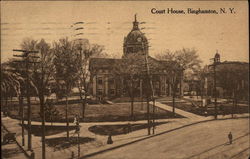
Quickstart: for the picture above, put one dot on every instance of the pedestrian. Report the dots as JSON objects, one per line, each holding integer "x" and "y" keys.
{"x": 75, "y": 119}
{"x": 129, "y": 128}
{"x": 110, "y": 141}
{"x": 205, "y": 113}
{"x": 230, "y": 137}
{"x": 151, "y": 124}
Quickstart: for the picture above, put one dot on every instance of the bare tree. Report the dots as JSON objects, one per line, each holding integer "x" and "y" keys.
{"x": 66, "y": 69}
{"x": 131, "y": 69}
{"x": 85, "y": 52}
{"x": 177, "y": 63}
{"x": 10, "y": 82}
{"x": 187, "y": 58}
{"x": 41, "y": 74}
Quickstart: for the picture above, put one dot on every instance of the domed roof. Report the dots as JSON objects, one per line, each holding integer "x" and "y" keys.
{"x": 135, "y": 35}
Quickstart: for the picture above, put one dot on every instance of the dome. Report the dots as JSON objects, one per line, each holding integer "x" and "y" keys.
{"x": 136, "y": 36}
{"x": 136, "y": 41}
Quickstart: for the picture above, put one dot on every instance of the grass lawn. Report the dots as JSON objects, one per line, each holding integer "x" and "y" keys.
{"x": 49, "y": 129}
{"x": 98, "y": 112}
{"x": 119, "y": 129}
{"x": 223, "y": 108}
{"x": 63, "y": 143}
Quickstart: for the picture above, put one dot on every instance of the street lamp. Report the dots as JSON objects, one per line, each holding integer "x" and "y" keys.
{"x": 216, "y": 62}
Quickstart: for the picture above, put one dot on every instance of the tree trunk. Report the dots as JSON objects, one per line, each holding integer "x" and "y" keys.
{"x": 29, "y": 119}
{"x": 22, "y": 118}
{"x": 84, "y": 106}
{"x": 173, "y": 102}
{"x": 148, "y": 115}
{"x": 20, "y": 105}
{"x": 6, "y": 104}
{"x": 67, "y": 119}
{"x": 233, "y": 106}
{"x": 43, "y": 124}
{"x": 132, "y": 108}
{"x": 153, "y": 116}
{"x": 132, "y": 101}
{"x": 11, "y": 103}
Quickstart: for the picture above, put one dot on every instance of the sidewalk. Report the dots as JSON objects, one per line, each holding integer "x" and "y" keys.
{"x": 99, "y": 144}
{"x": 219, "y": 100}
{"x": 92, "y": 147}
{"x": 179, "y": 111}
{"x": 10, "y": 150}
{"x": 13, "y": 125}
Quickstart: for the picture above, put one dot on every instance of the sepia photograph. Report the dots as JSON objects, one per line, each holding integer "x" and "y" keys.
{"x": 124, "y": 79}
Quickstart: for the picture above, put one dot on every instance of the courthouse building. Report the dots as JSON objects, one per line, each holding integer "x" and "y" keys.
{"x": 106, "y": 84}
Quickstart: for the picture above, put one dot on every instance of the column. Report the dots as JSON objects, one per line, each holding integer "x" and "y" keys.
{"x": 94, "y": 85}
{"x": 165, "y": 85}
{"x": 106, "y": 79}
{"x": 181, "y": 85}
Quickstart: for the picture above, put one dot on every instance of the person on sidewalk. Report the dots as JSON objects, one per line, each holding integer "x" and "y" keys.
{"x": 129, "y": 128}
{"x": 109, "y": 141}
{"x": 75, "y": 119}
{"x": 230, "y": 137}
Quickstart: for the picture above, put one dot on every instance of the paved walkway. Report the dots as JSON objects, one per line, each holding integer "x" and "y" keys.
{"x": 10, "y": 150}
{"x": 179, "y": 111}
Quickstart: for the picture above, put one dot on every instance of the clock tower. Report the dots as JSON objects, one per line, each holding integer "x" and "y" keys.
{"x": 135, "y": 42}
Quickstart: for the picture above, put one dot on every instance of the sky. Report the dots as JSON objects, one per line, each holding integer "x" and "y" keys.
{"x": 108, "y": 22}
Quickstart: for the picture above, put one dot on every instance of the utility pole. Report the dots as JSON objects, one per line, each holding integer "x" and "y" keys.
{"x": 174, "y": 89}
{"x": 216, "y": 60}
{"x": 27, "y": 61}
{"x": 43, "y": 113}
{"x": 22, "y": 119}
{"x": 78, "y": 137}
{"x": 152, "y": 97}
{"x": 215, "y": 93}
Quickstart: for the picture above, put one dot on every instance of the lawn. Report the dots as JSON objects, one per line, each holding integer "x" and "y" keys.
{"x": 97, "y": 112}
{"x": 49, "y": 129}
{"x": 223, "y": 108}
{"x": 64, "y": 143}
{"x": 119, "y": 129}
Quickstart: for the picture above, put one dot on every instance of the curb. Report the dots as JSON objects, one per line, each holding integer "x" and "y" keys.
{"x": 135, "y": 141}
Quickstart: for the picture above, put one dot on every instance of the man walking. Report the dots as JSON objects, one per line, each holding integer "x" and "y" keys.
{"x": 230, "y": 137}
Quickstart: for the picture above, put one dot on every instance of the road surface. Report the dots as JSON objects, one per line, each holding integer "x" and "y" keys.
{"x": 204, "y": 140}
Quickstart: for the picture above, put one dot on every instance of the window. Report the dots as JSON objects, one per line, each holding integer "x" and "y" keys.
{"x": 130, "y": 49}
{"x": 111, "y": 81}
{"x": 99, "y": 92}
{"x": 112, "y": 92}
{"x": 99, "y": 81}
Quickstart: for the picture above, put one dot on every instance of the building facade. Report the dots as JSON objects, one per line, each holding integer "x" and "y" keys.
{"x": 232, "y": 79}
{"x": 107, "y": 82}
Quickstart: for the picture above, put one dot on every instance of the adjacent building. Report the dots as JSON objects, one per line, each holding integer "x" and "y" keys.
{"x": 232, "y": 79}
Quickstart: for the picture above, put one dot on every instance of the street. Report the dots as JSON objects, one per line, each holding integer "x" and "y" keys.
{"x": 204, "y": 140}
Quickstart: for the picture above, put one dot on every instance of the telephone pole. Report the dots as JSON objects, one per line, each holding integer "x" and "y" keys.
{"x": 27, "y": 61}
{"x": 151, "y": 124}
{"x": 216, "y": 61}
